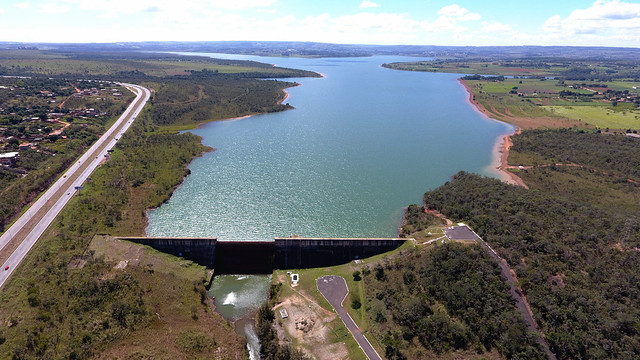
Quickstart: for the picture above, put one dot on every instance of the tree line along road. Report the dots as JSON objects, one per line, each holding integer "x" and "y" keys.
{"x": 18, "y": 239}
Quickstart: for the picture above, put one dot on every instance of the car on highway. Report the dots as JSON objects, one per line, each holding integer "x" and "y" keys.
{"x": 6, "y": 268}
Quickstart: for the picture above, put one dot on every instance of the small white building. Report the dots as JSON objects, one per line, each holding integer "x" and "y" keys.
{"x": 9, "y": 159}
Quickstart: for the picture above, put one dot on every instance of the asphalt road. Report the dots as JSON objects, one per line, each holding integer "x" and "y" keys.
{"x": 16, "y": 242}
{"x": 334, "y": 289}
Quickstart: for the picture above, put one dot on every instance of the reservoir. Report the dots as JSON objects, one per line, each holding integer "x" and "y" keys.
{"x": 361, "y": 144}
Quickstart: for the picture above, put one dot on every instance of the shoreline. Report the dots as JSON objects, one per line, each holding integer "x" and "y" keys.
{"x": 279, "y": 102}
{"x": 502, "y": 146}
{"x": 210, "y": 149}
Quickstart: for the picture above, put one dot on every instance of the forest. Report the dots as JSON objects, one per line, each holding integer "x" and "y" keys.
{"x": 574, "y": 255}
{"x": 614, "y": 155}
{"x": 193, "y": 101}
{"x": 445, "y": 299}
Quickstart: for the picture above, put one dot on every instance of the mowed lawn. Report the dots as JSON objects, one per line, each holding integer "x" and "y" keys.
{"x": 600, "y": 116}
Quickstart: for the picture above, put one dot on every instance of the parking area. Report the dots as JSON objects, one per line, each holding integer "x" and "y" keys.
{"x": 460, "y": 233}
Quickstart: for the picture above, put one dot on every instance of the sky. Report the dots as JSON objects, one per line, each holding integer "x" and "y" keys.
{"x": 400, "y": 22}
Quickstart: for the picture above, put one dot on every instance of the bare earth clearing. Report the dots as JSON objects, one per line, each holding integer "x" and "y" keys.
{"x": 309, "y": 324}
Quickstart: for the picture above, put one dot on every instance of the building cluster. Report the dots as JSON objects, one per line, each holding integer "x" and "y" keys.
{"x": 24, "y": 128}
{"x": 97, "y": 92}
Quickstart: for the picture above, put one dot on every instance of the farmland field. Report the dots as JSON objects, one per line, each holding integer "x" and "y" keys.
{"x": 599, "y": 116}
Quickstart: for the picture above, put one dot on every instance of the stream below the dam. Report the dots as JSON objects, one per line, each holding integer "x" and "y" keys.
{"x": 361, "y": 144}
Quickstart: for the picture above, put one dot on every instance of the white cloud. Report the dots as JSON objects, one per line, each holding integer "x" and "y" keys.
{"x": 604, "y": 22}
{"x": 129, "y": 6}
{"x": 369, "y": 4}
{"x": 449, "y": 18}
{"x": 358, "y": 28}
{"x": 456, "y": 12}
{"x": 496, "y": 27}
{"x": 53, "y": 8}
{"x": 611, "y": 17}
{"x": 110, "y": 9}
{"x": 506, "y": 34}
{"x": 240, "y": 4}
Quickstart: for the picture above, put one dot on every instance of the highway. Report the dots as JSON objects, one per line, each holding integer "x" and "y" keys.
{"x": 18, "y": 239}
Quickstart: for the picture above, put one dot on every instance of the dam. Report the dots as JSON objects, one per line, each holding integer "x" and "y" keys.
{"x": 262, "y": 257}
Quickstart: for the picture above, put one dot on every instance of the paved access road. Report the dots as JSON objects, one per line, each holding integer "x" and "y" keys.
{"x": 16, "y": 242}
{"x": 334, "y": 289}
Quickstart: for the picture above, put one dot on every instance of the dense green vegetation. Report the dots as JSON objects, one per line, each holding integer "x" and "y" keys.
{"x": 416, "y": 220}
{"x": 193, "y": 101}
{"x": 444, "y": 299}
{"x": 573, "y": 259}
{"x": 58, "y": 310}
{"x": 614, "y": 155}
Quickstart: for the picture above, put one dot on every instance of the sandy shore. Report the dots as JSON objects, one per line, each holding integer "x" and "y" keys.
{"x": 286, "y": 93}
{"x": 501, "y": 150}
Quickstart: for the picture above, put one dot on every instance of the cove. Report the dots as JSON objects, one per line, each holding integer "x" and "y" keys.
{"x": 360, "y": 145}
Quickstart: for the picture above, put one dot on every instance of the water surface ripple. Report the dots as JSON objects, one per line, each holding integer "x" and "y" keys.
{"x": 360, "y": 145}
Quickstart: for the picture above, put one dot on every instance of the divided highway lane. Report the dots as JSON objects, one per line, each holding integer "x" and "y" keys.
{"x": 16, "y": 242}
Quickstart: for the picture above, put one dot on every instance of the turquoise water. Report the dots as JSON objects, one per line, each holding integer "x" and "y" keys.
{"x": 360, "y": 145}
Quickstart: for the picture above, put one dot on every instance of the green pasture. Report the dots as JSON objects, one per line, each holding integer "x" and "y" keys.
{"x": 625, "y": 85}
{"x": 600, "y": 116}
{"x": 525, "y": 86}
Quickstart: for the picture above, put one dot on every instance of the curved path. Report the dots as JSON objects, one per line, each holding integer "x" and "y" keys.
{"x": 16, "y": 242}
{"x": 334, "y": 289}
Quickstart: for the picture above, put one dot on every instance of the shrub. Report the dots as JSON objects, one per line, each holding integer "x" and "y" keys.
{"x": 355, "y": 304}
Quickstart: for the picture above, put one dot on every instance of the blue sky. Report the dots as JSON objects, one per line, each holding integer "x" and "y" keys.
{"x": 423, "y": 22}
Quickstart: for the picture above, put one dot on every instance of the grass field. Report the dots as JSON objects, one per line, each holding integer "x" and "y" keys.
{"x": 599, "y": 116}
{"x": 531, "y": 103}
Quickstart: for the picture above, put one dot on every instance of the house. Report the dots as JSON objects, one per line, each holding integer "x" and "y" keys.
{"x": 9, "y": 159}
{"x": 25, "y": 146}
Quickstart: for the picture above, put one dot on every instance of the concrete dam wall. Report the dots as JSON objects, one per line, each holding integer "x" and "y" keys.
{"x": 244, "y": 257}
{"x": 199, "y": 250}
{"x": 262, "y": 257}
{"x": 299, "y": 253}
